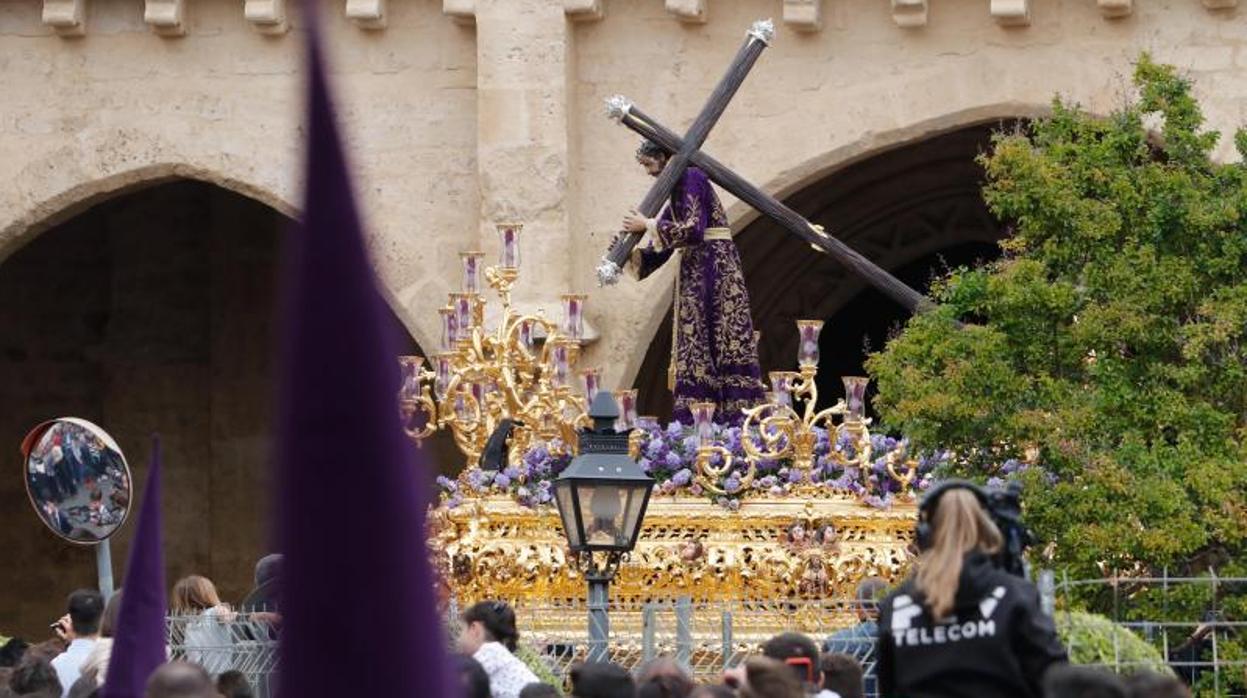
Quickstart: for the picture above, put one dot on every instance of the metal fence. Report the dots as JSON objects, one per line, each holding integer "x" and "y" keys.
{"x": 226, "y": 641}
{"x": 1187, "y": 624}
{"x": 1193, "y": 623}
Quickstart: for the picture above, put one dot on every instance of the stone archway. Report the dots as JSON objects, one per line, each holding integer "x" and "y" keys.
{"x": 912, "y": 209}
{"x": 151, "y": 311}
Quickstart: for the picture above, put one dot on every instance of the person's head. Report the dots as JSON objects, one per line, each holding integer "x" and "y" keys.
{"x": 842, "y": 674}
{"x": 602, "y": 680}
{"x": 867, "y": 596}
{"x": 12, "y": 651}
{"x": 765, "y": 677}
{"x": 540, "y": 690}
{"x": 86, "y": 606}
{"x": 268, "y": 569}
{"x": 488, "y": 621}
{"x": 799, "y": 653}
{"x": 472, "y": 677}
{"x": 35, "y": 676}
{"x": 233, "y": 684}
{"x": 715, "y": 691}
{"x": 653, "y": 157}
{"x": 193, "y": 594}
{"x": 661, "y": 666}
{"x": 958, "y": 524}
{"x": 1149, "y": 684}
{"x": 664, "y": 686}
{"x": 180, "y": 680}
{"x": 108, "y": 622}
{"x": 1072, "y": 681}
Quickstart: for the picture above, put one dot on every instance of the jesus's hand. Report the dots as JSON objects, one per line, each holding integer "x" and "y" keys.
{"x": 635, "y": 222}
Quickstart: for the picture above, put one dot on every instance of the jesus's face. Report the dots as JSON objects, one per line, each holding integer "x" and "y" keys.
{"x": 653, "y": 165}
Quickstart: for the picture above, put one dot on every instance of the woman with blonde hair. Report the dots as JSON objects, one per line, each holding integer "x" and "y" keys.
{"x": 198, "y": 612}
{"x": 961, "y": 625}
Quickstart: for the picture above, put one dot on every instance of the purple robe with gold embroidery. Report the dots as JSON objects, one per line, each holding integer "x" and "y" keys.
{"x": 714, "y": 353}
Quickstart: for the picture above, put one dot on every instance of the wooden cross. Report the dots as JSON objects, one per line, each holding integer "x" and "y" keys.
{"x": 756, "y": 39}
{"x": 688, "y": 151}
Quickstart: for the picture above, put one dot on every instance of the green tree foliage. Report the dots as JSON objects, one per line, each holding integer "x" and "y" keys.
{"x": 1112, "y": 334}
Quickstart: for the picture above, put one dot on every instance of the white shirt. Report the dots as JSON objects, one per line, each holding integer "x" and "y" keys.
{"x": 508, "y": 675}
{"x": 68, "y": 664}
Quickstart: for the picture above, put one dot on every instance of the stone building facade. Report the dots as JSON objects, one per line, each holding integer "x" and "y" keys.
{"x": 150, "y": 151}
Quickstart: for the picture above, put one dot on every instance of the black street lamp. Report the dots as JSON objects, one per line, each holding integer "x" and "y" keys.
{"x": 601, "y": 498}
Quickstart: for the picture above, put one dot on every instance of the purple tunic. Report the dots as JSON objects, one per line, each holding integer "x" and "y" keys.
{"x": 715, "y": 356}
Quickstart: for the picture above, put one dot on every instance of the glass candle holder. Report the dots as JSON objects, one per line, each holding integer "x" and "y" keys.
{"x": 450, "y": 328}
{"x": 573, "y": 315}
{"x": 464, "y": 304}
{"x": 478, "y": 391}
{"x": 703, "y": 422}
{"x": 410, "y": 387}
{"x": 559, "y": 355}
{"x": 592, "y": 379}
{"x": 442, "y": 375}
{"x": 463, "y": 410}
{"x": 509, "y": 237}
{"x": 626, "y": 399}
{"x": 471, "y": 265}
{"x": 526, "y": 334}
{"x": 807, "y": 342}
{"x": 781, "y": 388}
{"x": 855, "y": 396}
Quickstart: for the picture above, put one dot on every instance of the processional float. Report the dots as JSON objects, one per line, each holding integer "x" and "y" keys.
{"x": 796, "y": 505}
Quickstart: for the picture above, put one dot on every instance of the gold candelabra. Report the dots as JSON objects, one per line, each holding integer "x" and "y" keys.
{"x": 519, "y": 370}
{"x": 784, "y": 426}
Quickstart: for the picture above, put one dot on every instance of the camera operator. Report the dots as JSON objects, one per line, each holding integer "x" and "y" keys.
{"x": 961, "y": 625}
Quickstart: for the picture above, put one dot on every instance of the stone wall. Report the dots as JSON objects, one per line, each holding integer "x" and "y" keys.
{"x": 460, "y": 113}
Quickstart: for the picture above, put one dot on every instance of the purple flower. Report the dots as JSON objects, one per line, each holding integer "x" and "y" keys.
{"x": 690, "y": 444}
{"x": 512, "y": 472}
{"x": 501, "y": 480}
{"x": 994, "y": 482}
{"x": 732, "y": 484}
{"x": 455, "y": 500}
{"x": 646, "y": 464}
{"x": 682, "y": 477}
{"x": 447, "y": 484}
{"x": 794, "y": 475}
{"x": 656, "y": 448}
{"x": 673, "y": 460}
{"x": 479, "y": 479}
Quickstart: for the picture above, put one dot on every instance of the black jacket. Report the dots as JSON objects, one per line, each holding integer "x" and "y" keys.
{"x": 998, "y": 641}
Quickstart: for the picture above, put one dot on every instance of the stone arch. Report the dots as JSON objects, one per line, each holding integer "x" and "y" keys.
{"x": 56, "y": 205}
{"x": 906, "y": 199}
{"x": 148, "y": 310}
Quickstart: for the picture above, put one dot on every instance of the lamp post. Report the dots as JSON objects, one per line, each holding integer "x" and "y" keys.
{"x": 601, "y": 498}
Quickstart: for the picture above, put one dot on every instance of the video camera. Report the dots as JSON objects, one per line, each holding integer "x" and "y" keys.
{"x": 1003, "y": 504}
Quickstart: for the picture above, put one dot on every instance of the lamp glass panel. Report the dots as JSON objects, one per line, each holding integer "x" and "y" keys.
{"x": 602, "y": 506}
{"x": 633, "y": 508}
{"x": 564, "y": 495}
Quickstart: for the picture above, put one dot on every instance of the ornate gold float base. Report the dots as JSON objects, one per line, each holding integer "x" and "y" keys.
{"x": 784, "y": 554}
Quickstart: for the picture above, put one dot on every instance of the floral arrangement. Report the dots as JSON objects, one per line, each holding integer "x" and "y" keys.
{"x": 668, "y": 454}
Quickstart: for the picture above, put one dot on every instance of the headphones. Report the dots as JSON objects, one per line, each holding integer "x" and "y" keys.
{"x": 923, "y": 532}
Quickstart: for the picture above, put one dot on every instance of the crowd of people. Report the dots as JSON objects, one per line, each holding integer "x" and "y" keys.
{"x": 74, "y": 663}
{"x": 959, "y": 627}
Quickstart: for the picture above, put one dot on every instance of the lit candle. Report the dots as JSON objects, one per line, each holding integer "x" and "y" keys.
{"x": 855, "y": 395}
{"x": 573, "y": 315}
{"x": 627, "y": 410}
{"x": 471, "y": 271}
{"x": 509, "y": 234}
{"x": 450, "y": 328}
{"x": 593, "y": 381}
{"x": 807, "y": 348}
{"x": 442, "y": 371}
{"x": 703, "y": 421}
{"x": 780, "y": 392}
{"x": 560, "y": 356}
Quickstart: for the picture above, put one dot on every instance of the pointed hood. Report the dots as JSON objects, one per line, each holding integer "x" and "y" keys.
{"x": 357, "y": 593}
{"x": 139, "y": 638}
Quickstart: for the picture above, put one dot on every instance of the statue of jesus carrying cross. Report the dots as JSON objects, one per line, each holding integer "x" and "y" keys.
{"x": 714, "y": 355}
